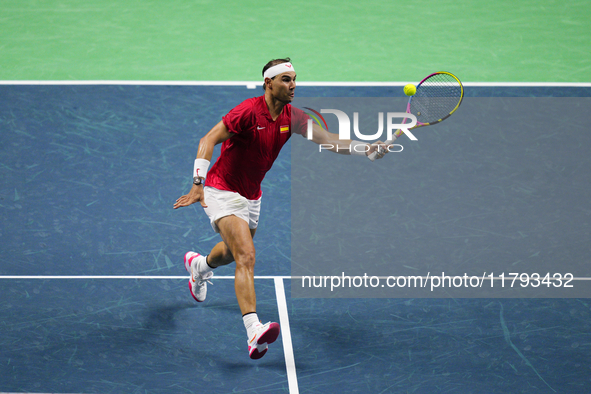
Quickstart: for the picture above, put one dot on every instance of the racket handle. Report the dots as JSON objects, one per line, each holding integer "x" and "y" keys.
{"x": 372, "y": 156}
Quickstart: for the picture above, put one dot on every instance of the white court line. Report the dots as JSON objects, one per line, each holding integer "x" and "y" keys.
{"x": 255, "y": 84}
{"x": 292, "y": 378}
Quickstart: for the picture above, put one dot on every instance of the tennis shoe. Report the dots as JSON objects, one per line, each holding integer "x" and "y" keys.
{"x": 263, "y": 335}
{"x": 198, "y": 282}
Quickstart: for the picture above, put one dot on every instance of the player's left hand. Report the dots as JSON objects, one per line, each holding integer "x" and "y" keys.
{"x": 195, "y": 195}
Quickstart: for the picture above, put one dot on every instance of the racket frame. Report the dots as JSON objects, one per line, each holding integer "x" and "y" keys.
{"x": 399, "y": 132}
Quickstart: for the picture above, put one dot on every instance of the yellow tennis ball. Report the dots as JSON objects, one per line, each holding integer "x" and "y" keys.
{"x": 410, "y": 89}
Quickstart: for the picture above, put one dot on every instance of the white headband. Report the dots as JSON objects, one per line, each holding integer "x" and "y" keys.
{"x": 278, "y": 69}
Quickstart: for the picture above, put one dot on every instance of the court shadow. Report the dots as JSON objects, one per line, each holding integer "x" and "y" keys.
{"x": 163, "y": 317}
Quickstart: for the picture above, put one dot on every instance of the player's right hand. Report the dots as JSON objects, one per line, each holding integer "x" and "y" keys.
{"x": 195, "y": 195}
{"x": 379, "y": 147}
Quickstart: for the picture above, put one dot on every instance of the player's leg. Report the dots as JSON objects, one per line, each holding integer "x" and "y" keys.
{"x": 221, "y": 255}
{"x": 201, "y": 267}
{"x": 219, "y": 203}
{"x": 238, "y": 238}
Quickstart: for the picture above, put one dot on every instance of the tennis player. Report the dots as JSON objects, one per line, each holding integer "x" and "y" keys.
{"x": 252, "y": 135}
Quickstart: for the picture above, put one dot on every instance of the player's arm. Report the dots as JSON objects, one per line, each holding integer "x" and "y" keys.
{"x": 218, "y": 134}
{"x": 330, "y": 141}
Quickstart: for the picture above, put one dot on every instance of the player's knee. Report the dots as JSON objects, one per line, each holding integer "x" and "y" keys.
{"x": 245, "y": 258}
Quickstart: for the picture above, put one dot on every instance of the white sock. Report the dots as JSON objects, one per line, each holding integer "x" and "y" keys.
{"x": 202, "y": 266}
{"x": 250, "y": 320}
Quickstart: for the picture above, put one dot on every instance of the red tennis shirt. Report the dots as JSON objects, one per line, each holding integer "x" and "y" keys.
{"x": 250, "y": 152}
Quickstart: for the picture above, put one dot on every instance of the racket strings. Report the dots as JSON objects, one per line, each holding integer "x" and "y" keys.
{"x": 436, "y": 98}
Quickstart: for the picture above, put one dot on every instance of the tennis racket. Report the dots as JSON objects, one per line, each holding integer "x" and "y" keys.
{"x": 437, "y": 97}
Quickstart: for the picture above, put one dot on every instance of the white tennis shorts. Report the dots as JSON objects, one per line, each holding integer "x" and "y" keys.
{"x": 221, "y": 203}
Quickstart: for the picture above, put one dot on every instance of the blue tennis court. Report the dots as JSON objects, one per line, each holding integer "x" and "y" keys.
{"x": 95, "y": 296}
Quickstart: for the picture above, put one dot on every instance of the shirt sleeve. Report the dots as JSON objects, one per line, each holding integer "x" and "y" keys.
{"x": 240, "y": 118}
{"x": 299, "y": 120}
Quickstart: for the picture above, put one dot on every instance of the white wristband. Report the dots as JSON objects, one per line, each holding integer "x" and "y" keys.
{"x": 200, "y": 168}
{"x": 358, "y": 148}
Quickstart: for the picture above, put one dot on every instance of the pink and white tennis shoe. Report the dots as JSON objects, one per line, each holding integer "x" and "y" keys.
{"x": 264, "y": 335}
{"x": 198, "y": 282}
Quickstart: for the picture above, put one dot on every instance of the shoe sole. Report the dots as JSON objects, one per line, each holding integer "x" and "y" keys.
{"x": 188, "y": 268}
{"x": 268, "y": 337}
{"x": 256, "y": 354}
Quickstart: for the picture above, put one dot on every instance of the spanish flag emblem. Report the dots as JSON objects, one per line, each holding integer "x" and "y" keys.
{"x": 284, "y": 129}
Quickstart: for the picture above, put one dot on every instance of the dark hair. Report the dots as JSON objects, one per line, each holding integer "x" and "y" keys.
{"x": 272, "y": 63}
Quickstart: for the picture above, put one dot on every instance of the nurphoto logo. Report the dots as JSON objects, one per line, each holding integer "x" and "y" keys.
{"x": 345, "y": 127}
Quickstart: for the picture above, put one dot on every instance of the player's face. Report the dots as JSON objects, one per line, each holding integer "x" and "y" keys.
{"x": 284, "y": 86}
